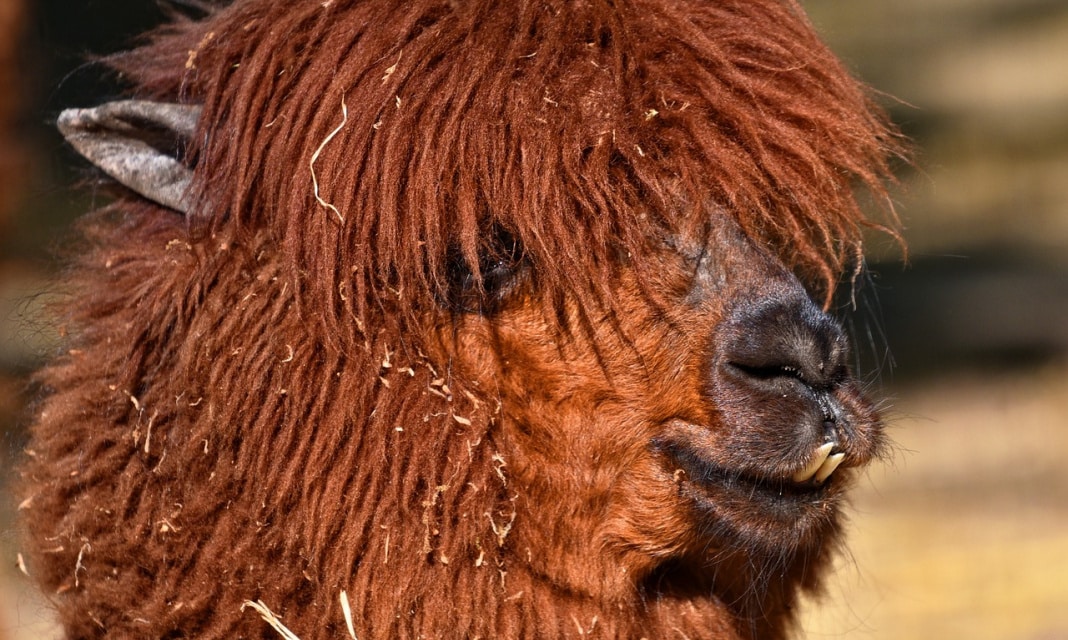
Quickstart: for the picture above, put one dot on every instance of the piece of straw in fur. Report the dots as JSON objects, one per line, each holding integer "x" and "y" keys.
{"x": 347, "y": 611}
{"x": 315, "y": 156}
{"x": 270, "y": 618}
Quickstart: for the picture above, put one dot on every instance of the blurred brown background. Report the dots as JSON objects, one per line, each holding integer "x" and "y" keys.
{"x": 964, "y": 532}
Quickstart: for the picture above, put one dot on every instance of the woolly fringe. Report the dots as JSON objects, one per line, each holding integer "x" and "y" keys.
{"x": 586, "y": 130}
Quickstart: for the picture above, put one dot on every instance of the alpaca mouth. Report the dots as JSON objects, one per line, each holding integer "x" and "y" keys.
{"x": 810, "y": 480}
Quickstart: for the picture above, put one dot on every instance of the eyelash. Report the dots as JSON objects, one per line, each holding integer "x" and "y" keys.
{"x": 500, "y": 265}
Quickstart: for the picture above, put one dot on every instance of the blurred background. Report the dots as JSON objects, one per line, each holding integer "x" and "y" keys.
{"x": 963, "y": 533}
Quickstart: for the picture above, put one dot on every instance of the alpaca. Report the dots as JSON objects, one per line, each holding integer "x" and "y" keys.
{"x": 460, "y": 320}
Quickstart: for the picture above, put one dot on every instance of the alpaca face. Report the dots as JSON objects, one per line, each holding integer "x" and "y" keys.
{"x": 708, "y": 414}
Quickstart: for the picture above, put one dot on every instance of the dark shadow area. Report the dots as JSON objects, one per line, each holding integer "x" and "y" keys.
{"x": 57, "y": 69}
{"x": 992, "y": 308}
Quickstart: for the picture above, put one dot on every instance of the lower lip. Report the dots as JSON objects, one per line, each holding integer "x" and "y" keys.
{"x": 710, "y": 479}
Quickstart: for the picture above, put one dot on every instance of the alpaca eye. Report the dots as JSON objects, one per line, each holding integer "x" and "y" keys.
{"x": 500, "y": 263}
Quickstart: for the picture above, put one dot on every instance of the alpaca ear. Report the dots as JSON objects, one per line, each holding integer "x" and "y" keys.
{"x": 139, "y": 144}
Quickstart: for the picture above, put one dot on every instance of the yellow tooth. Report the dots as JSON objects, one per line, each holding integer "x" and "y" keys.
{"x": 813, "y": 467}
{"x": 828, "y": 467}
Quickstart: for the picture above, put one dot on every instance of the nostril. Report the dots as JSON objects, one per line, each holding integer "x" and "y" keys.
{"x": 770, "y": 371}
{"x": 783, "y": 341}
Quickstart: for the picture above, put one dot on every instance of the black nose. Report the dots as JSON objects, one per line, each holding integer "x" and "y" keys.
{"x": 775, "y": 342}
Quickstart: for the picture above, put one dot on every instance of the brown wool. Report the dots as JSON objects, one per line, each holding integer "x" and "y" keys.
{"x": 273, "y": 407}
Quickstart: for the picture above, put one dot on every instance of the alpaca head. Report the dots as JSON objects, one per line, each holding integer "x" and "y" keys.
{"x": 517, "y": 300}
